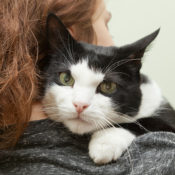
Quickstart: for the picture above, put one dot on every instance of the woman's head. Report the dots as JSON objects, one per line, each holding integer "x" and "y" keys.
{"x": 100, "y": 20}
{"x": 86, "y": 20}
{"x": 22, "y": 35}
{"x": 76, "y": 16}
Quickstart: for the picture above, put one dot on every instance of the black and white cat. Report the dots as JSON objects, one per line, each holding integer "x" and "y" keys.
{"x": 99, "y": 90}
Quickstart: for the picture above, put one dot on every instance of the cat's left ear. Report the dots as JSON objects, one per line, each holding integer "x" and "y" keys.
{"x": 137, "y": 49}
{"x": 57, "y": 34}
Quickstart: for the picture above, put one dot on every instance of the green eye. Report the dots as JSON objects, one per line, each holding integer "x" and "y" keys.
{"x": 66, "y": 79}
{"x": 108, "y": 87}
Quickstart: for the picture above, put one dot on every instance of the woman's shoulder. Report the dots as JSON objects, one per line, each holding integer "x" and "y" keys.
{"x": 46, "y": 132}
{"x": 49, "y": 148}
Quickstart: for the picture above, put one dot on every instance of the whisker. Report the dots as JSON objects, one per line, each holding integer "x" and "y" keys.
{"x": 129, "y": 119}
{"x": 118, "y": 64}
{"x": 135, "y": 121}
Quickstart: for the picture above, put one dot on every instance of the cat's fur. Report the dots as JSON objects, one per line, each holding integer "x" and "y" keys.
{"x": 136, "y": 107}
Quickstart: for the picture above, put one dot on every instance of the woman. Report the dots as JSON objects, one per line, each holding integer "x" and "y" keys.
{"x": 45, "y": 147}
{"x": 22, "y": 33}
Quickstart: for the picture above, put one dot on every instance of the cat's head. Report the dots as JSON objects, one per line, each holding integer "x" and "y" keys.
{"x": 88, "y": 87}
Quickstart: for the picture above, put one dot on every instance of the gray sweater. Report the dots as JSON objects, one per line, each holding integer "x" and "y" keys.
{"x": 47, "y": 148}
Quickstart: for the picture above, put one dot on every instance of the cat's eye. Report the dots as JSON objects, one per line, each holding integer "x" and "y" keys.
{"x": 66, "y": 79}
{"x": 108, "y": 87}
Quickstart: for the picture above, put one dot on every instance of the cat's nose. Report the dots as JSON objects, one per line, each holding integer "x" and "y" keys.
{"x": 80, "y": 107}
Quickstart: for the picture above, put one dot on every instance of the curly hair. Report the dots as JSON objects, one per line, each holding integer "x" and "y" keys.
{"x": 22, "y": 43}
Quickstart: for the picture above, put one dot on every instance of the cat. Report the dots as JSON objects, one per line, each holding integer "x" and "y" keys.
{"x": 100, "y": 90}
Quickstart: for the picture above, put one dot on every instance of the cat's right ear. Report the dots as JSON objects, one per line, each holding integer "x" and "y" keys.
{"x": 57, "y": 34}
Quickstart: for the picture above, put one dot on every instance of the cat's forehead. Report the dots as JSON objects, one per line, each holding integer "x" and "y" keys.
{"x": 85, "y": 75}
{"x": 107, "y": 51}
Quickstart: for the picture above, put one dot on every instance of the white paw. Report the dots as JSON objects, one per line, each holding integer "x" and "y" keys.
{"x": 109, "y": 144}
{"x": 102, "y": 153}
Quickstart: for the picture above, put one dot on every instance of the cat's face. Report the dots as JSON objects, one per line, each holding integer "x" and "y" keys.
{"x": 89, "y": 87}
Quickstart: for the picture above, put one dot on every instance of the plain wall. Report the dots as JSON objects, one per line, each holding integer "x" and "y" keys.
{"x": 134, "y": 19}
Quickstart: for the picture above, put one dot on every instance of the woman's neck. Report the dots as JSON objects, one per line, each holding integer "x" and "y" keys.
{"x": 37, "y": 112}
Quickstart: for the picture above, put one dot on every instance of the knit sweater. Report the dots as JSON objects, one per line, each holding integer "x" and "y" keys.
{"x": 48, "y": 148}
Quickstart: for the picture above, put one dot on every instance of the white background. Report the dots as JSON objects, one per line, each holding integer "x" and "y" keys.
{"x": 132, "y": 20}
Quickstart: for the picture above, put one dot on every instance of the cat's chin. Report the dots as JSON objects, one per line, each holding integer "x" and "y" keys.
{"x": 79, "y": 126}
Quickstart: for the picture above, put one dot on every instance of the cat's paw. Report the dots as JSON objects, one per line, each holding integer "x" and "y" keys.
{"x": 109, "y": 144}
{"x": 102, "y": 153}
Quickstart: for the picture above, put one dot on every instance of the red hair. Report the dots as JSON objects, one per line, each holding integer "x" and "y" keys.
{"x": 22, "y": 43}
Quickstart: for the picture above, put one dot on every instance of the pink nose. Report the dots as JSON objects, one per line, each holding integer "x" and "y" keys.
{"x": 80, "y": 107}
